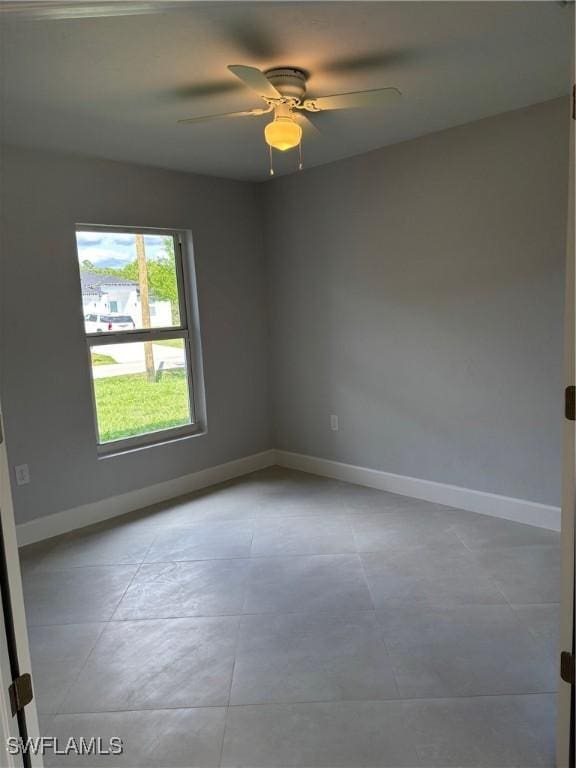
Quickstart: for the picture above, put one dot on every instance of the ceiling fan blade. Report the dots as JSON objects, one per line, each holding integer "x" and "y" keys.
{"x": 308, "y": 125}
{"x": 73, "y": 9}
{"x": 246, "y": 33}
{"x": 226, "y": 115}
{"x": 356, "y": 99}
{"x": 202, "y": 90}
{"x": 371, "y": 60}
{"x": 256, "y": 80}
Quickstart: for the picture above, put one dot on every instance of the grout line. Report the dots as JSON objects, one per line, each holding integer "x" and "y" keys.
{"x": 135, "y": 574}
{"x": 381, "y": 632}
{"x": 248, "y": 558}
{"x": 490, "y": 579}
{"x": 336, "y": 614}
{"x": 38, "y": 570}
{"x": 344, "y": 612}
{"x": 237, "y": 645}
{"x": 105, "y": 625}
{"x": 253, "y": 526}
{"x": 221, "y": 755}
{"x": 80, "y": 670}
{"x": 398, "y": 700}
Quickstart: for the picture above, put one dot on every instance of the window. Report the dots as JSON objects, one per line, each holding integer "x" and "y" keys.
{"x": 141, "y": 361}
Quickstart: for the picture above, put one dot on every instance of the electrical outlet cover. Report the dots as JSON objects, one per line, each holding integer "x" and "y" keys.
{"x": 22, "y": 472}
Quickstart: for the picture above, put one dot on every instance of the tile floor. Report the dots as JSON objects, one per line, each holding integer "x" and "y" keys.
{"x": 285, "y": 620}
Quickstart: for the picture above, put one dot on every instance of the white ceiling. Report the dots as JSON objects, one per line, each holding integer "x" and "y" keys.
{"x": 115, "y": 87}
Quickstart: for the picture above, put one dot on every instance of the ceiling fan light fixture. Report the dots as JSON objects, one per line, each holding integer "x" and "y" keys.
{"x": 284, "y": 90}
{"x": 283, "y": 133}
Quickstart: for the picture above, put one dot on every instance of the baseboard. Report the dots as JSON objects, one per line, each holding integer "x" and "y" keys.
{"x": 518, "y": 510}
{"x": 87, "y": 514}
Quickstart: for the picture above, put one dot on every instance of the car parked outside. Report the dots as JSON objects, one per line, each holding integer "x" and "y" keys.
{"x": 111, "y": 322}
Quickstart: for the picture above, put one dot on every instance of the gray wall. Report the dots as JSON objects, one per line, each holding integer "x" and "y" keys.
{"x": 46, "y": 390}
{"x": 416, "y": 291}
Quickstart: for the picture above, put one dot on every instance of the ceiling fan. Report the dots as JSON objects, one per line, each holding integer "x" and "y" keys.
{"x": 284, "y": 91}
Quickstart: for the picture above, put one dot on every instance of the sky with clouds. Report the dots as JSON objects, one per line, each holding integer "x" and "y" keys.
{"x": 115, "y": 249}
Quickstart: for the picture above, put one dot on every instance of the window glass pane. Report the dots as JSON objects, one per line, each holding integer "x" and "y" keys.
{"x": 128, "y": 280}
{"x": 140, "y": 387}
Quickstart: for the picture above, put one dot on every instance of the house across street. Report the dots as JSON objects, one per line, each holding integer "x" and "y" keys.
{"x": 104, "y": 293}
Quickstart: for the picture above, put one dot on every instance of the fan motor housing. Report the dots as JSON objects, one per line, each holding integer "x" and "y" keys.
{"x": 288, "y": 81}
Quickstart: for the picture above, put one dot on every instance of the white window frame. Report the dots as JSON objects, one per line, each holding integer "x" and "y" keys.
{"x": 188, "y": 330}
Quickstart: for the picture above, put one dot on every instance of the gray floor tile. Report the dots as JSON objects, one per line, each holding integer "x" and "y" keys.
{"x": 540, "y": 712}
{"x": 298, "y": 657}
{"x": 441, "y": 576}
{"x": 372, "y": 501}
{"x": 158, "y": 662}
{"x": 529, "y": 574}
{"x": 58, "y": 654}
{"x": 320, "y": 583}
{"x": 464, "y": 651}
{"x": 203, "y": 541}
{"x": 199, "y": 588}
{"x": 141, "y": 521}
{"x": 45, "y": 726}
{"x": 280, "y": 481}
{"x": 482, "y": 732}
{"x": 334, "y": 735}
{"x": 287, "y": 493}
{"x": 479, "y": 531}
{"x": 32, "y": 554}
{"x": 543, "y": 621}
{"x": 234, "y": 502}
{"x": 165, "y": 738}
{"x": 438, "y": 576}
{"x": 101, "y": 545}
{"x": 404, "y": 529}
{"x": 321, "y": 535}
{"x": 302, "y": 503}
{"x": 75, "y": 595}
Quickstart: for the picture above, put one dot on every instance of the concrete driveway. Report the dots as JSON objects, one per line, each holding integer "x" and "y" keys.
{"x": 130, "y": 359}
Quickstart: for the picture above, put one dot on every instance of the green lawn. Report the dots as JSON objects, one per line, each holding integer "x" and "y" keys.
{"x": 99, "y": 359}
{"x": 130, "y": 405}
{"x": 170, "y": 343}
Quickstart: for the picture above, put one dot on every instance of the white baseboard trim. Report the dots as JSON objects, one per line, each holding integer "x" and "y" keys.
{"x": 70, "y": 519}
{"x": 518, "y": 510}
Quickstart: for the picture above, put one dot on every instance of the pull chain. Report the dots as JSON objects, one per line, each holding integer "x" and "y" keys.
{"x": 271, "y": 163}
{"x": 301, "y": 163}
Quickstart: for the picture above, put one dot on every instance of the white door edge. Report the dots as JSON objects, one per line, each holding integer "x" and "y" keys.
{"x": 7, "y": 722}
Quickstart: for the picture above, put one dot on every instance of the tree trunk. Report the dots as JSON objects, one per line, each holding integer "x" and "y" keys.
{"x": 145, "y": 305}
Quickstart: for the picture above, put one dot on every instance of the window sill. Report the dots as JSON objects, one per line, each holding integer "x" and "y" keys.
{"x": 154, "y": 440}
